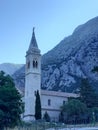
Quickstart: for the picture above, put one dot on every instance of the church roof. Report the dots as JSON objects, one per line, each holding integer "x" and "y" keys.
{"x": 33, "y": 47}
{"x": 58, "y": 94}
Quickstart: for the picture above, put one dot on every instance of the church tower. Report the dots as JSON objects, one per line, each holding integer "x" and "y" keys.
{"x": 32, "y": 78}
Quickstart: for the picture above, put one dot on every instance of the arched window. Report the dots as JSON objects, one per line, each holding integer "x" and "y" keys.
{"x": 28, "y": 65}
{"x": 35, "y": 64}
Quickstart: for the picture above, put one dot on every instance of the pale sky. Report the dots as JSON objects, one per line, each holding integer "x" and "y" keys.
{"x": 53, "y": 20}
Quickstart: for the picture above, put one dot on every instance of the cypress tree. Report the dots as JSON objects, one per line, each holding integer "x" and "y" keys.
{"x": 87, "y": 94}
{"x": 37, "y": 106}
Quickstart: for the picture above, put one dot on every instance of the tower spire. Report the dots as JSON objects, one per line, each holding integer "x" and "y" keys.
{"x": 33, "y": 30}
{"x": 33, "y": 43}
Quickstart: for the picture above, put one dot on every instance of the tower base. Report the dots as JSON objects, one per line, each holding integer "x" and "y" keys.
{"x": 28, "y": 118}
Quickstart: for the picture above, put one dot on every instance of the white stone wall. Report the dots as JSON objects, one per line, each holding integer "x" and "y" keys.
{"x": 54, "y": 108}
{"x": 30, "y": 59}
{"x": 32, "y": 84}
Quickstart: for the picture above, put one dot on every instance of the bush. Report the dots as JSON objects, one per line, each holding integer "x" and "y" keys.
{"x": 46, "y": 117}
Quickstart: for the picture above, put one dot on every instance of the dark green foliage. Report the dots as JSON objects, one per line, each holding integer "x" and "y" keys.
{"x": 61, "y": 117}
{"x": 74, "y": 110}
{"x": 83, "y": 108}
{"x": 11, "y": 106}
{"x": 95, "y": 69}
{"x": 37, "y": 106}
{"x": 88, "y": 95}
{"x": 46, "y": 117}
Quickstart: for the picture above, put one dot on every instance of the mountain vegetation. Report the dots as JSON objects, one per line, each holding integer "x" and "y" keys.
{"x": 88, "y": 95}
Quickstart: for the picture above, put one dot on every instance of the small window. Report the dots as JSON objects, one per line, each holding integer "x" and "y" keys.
{"x": 35, "y": 64}
{"x": 64, "y": 102}
{"x": 28, "y": 65}
{"x": 49, "y": 102}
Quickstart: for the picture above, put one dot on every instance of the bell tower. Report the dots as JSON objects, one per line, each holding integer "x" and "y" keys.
{"x": 32, "y": 77}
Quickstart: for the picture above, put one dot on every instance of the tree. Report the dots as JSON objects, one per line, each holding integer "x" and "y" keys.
{"x": 37, "y": 106}
{"x": 73, "y": 110}
{"x": 95, "y": 69}
{"x": 87, "y": 94}
{"x": 61, "y": 117}
{"x": 46, "y": 117}
{"x": 11, "y": 106}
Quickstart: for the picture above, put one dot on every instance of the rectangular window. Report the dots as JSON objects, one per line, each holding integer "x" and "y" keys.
{"x": 49, "y": 102}
{"x": 64, "y": 102}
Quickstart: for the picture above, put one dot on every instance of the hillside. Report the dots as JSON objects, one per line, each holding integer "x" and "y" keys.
{"x": 10, "y": 68}
{"x": 72, "y": 59}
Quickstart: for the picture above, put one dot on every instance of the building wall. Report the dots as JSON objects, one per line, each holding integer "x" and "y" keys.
{"x": 53, "y": 108}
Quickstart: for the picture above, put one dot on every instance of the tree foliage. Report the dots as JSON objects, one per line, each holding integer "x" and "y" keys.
{"x": 11, "y": 105}
{"x": 88, "y": 94}
{"x": 73, "y": 110}
{"x": 37, "y": 106}
{"x": 61, "y": 117}
{"x": 46, "y": 117}
{"x": 84, "y": 107}
{"x": 95, "y": 69}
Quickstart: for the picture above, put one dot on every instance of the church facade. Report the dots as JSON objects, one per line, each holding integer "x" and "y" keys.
{"x": 51, "y": 101}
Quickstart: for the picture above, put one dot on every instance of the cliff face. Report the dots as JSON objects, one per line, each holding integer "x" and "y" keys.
{"x": 72, "y": 59}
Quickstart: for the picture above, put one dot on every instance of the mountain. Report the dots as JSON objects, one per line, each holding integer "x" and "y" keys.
{"x": 19, "y": 78}
{"x": 10, "y": 68}
{"x": 72, "y": 59}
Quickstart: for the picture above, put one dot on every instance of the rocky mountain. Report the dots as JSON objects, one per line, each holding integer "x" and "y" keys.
{"x": 72, "y": 59}
{"x": 10, "y": 68}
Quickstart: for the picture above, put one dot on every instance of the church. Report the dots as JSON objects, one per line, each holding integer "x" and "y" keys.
{"x": 51, "y": 101}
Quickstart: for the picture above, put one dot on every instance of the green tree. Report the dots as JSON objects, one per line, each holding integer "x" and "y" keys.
{"x": 87, "y": 94}
{"x": 37, "y": 106}
{"x": 74, "y": 110}
{"x": 95, "y": 69}
{"x": 11, "y": 106}
{"x": 61, "y": 117}
{"x": 46, "y": 117}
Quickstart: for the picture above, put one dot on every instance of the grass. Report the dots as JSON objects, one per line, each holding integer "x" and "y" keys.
{"x": 46, "y": 125}
{"x": 38, "y": 126}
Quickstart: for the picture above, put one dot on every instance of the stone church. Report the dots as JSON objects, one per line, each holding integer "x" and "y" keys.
{"x": 51, "y": 101}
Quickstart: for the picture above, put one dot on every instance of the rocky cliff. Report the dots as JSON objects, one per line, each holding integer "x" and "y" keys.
{"x": 72, "y": 59}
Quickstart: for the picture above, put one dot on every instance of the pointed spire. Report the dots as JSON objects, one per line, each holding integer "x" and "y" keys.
{"x": 33, "y": 44}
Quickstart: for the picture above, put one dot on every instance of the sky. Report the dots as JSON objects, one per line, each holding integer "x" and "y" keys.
{"x": 53, "y": 21}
